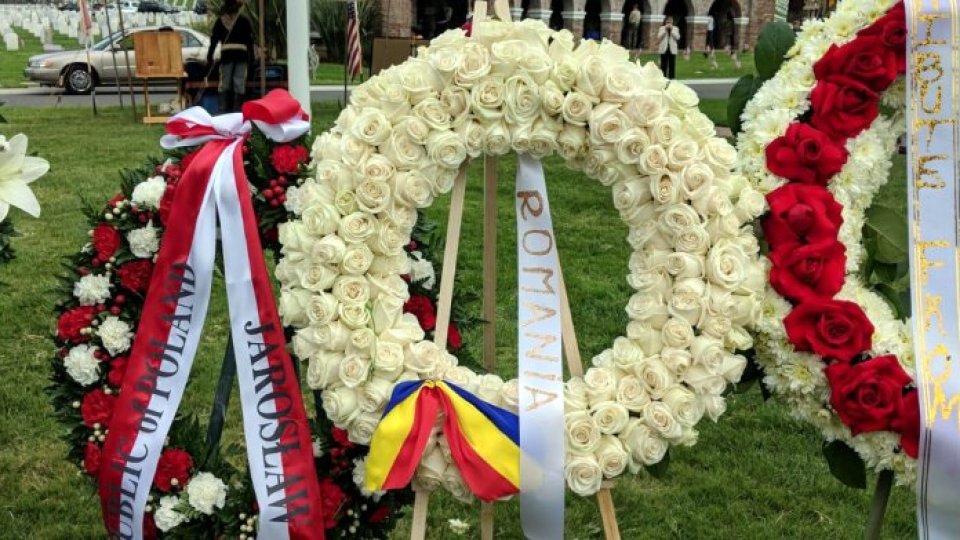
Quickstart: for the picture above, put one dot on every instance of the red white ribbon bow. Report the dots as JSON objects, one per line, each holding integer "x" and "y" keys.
{"x": 212, "y": 191}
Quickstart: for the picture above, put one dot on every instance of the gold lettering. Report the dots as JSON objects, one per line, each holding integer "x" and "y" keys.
{"x": 936, "y": 182}
{"x": 545, "y": 313}
{"x": 934, "y": 384}
{"x": 931, "y": 124}
{"x": 927, "y": 20}
{"x": 931, "y": 309}
{"x": 928, "y": 70}
{"x": 537, "y": 393}
{"x": 526, "y": 197}
{"x": 543, "y": 233}
{"x": 547, "y": 274}
{"x": 535, "y": 352}
{"x": 924, "y": 263}
{"x": 544, "y": 376}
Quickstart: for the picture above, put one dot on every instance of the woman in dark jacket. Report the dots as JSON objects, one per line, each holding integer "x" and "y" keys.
{"x": 234, "y": 33}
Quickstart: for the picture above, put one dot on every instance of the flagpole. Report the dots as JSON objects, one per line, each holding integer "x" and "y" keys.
{"x": 126, "y": 56}
{"x": 113, "y": 54}
{"x": 87, "y": 25}
{"x": 346, "y": 50}
{"x": 263, "y": 50}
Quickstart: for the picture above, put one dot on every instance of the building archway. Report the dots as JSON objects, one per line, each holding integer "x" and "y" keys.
{"x": 679, "y": 10}
{"x": 725, "y": 29}
{"x": 591, "y": 20}
{"x": 556, "y": 14}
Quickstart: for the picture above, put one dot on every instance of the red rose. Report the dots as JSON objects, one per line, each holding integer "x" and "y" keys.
{"x": 118, "y": 368}
{"x": 843, "y": 107}
{"x": 106, "y": 241}
{"x": 454, "y": 340}
{"x": 97, "y": 408}
{"x": 907, "y": 424}
{"x": 801, "y": 213}
{"x": 135, "y": 276}
{"x": 173, "y": 464}
{"x": 341, "y": 437}
{"x": 380, "y": 514}
{"x": 166, "y": 203}
{"x": 331, "y": 499}
{"x": 805, "y": 154}
{"x": 801, "y": 272}
{"x": 71, "y": 322}
{"x": 91, "y": 458}
{"x": 834, "y": 329}
{"x": 867, "y": 395}
{"x": 892, "y": 29}
{"x": 286, "y": 159}
{"x": 866, "y": 59}
{"x": 422, "y": 308}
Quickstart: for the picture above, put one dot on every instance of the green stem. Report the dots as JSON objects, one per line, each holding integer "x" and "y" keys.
{"x": 878, "y": 507}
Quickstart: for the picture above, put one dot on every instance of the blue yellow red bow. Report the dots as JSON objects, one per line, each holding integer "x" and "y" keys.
{"x": 483, "y": 439}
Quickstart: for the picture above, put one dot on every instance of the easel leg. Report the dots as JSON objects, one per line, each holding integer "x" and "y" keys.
{"x": 486, "y": 521}
{"x": 421, "y": 501}
{"x": 608, "y": 513}
{"x": 490, "y": 262}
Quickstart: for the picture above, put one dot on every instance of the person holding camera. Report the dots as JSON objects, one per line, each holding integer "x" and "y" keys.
{"x": 668, "y": 36}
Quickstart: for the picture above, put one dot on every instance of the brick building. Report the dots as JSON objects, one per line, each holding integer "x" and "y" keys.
{"x": 736, "y": 22}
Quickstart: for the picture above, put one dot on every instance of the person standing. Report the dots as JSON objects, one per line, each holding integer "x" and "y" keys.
{"x": 234, "y": 33}
{"x": 633, "y": 28}
{"x": 668, "y": 35}
{"x": 711, "y": 26}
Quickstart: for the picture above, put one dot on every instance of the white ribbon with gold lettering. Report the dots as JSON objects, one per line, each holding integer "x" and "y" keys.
{"x": 542, "y": 485}
{"x": 933, "y": 100}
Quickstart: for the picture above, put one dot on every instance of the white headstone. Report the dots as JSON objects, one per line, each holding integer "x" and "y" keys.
{"x": 47, "y": 35}
{"x": 11, "y": 41}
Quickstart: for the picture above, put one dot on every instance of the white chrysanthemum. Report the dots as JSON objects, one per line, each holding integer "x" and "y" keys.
{"x": 359, "y": 475}
{"x": 205, "y": 492}
{"x": 293, "y": 202}
{"x": 144, "y": 241}
{"x": 92, "y": 289}
{"x": 458, "y": 526}
{"x": 148, "y": 193}
{"x": 421, "y": 270}
{"x": 166, "y": 516}
{"x": 115, "y": 335}
{"x": 82, "y": 365}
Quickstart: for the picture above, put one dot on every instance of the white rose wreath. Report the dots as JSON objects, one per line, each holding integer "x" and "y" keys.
{"x": 522, "y": 87}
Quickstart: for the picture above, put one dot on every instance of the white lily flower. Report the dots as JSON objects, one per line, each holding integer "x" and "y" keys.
{"x": 17, "y": 170}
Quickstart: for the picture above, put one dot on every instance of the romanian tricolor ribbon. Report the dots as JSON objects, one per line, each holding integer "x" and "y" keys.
{"x": 483, "y": 439}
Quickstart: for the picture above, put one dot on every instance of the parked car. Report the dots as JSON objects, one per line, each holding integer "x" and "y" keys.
{"x": 69, "y": 69}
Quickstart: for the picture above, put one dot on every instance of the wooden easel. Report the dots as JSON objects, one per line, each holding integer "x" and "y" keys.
{"x": 158, "y": 56}
{"x": 571, "y": 349}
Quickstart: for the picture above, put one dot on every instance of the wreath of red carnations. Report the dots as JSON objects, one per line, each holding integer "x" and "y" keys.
{"x": 103, "y": 294}
{"x": 802, "y": 229}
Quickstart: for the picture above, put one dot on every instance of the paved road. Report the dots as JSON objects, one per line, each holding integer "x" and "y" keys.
{"x": 50, "y": 97}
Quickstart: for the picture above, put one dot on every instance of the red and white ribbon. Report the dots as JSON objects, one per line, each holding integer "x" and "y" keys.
{"x": 279, "y": 450}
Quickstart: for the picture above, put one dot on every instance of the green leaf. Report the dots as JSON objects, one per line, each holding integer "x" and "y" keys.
{"x": 889, "y": 229}
{"x": 659, "y": 470}
{"x": 740, "y": 95}
{"x": 892, "y": 296}
{"x": 774, "y": 41}
{"x": 884, "y": 273}
{"x": 845, "y": 464}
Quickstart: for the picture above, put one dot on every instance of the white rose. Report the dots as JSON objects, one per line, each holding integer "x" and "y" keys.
{"x": 681, "y": 97}
{"x": 699, "y": 126}
{"x": 572, "y": 141}
{"x": 577, "y": 108}
{"x": 693, "y": 239}
{"x": 575, "y": 395}
{"x": 361, "y": 429}
{"x": 727, "y": 264}
{"x": 92, "y": 289}
{"x": 326, "y": 146}
{"x": 646, "y": 107}
{"x": 454, "y": 483}
{"x": 552, "y": 98}
{"x": 655, "y": 377}
{"x": 405, "y": 332}
{"x": 371, "y": 126}
{"x": 536, "y": 63}
{"x": 341, "y": 404}
{"x": 330, "y": 336}
{"x": 413, "y": 189}
{"x": 564, "y": 73}
{"x": 592, "y": 75}
{"x": 510, "y": 395}
{"x": 716, "y": 326}
{"x": 293, "y": 307}
{"x": 317, "y": 277}
{"x": 630, "y": 195}
{"x": 686, "y": 300}
{"x": 682, "y": 153}
{"x": 665, "y": 187}
{"x": 612, "y": 456}
{"x": 446, "y": 149}
{"x": 750, "y": 204}
{"x": 329, "y": 250}
{"x": 472, "y": 133}
{"x": 626, "y": 353}
{"x": 166, "y": 516}
{"x": 373, "y": 195}
{"x": 147, "y": 194}
{"x": 733, "y": 366}
{"x": 115, "y": 335}
{"x": 686, "y": 407}
{"x": 610, "y": 417}
{"x": 715, "y": 406}
{"x": 392, "y": 285}
{"x": 321, "y": 219}
{"x": 496, "y": 140}
{"x": 322, "y": 308}
{"x": 82, "y": 365}
{"x": 386, "y": 312}
{"x": 353, "y": 151}
{"x": 349, "y": 290}
{"x": 206, "y": 492}
{"x": 462, "y": 377}
{"x": 144, "y": 241}
{"x": 521, "y": 99}
{"x": 456, "y": 101}
{"x": 356, "y": 260}
{"x": 423, "y": 357}
{"x": 361, "y": 342}
{"x": 632, "y": 394}
{"x": 357, "y": 227}
{"x": 697, "y": 180}
{"x": 433, "y": 113}
{"x": 488, "y": 387}
{"x": 644, "y": 445}
{"x": 660, "y": 418}
{"x": 402, "y": 150}
{"x": 582, "y": 432}
{"x": 720, "y": 155}
{"x": 684, "y": 265}
{"x": 649, "y": 339}
{"x": 415, "y": 128}
{"x": 583, "y": 475}
{"x": 430, "y": 471}
{"x": 607, "y": 123}
{"x": 704, "y": 382}
{"x": 419, "y": 80}
{"x": 297, "y": 241}
{"x": 354, "y": 315}
{"x": 388, "y": 360}
{"x": 474, "y": 64}
{"x": 631, "y": 144}
{"x": 486, "y": 99}
{"x": 648, "y": 309}
{"x": 601, "y": 385}
{"x": 323, "y": 369}
{"x": 353, "y": 370}
{"x": 677, "y": 333}
{"x": 331, "y": 176}
{"x": 676, "y": 360}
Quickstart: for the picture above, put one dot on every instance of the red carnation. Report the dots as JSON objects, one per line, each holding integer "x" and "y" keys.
{"x": 867, "y": 395}
{"x": 801, "y": 272}
{"x": 72, "y": 321}
{"x": 118, "y": 368}
{"x": 801, "y": 213}
{"x": 380, "y": 514}
{"x": 341, "y": 437}
{"x": 892, "y": 29}
{"x": 422, "y": 308}
{"x": 174, "y": 464}
{"x": 843, "y": 107}
{"x": 286, "y": 159}
{"x": 331, "y": 499}
{"x": 867, "y": 59}
{"x": 454, "y": 340}
{"x": 135, "y": 276}
{"x": 805, "y": 154}
{"x": 106, "y": 241}
{"x": 91, "y": 458}
{"x": 834, "y": 329}
{"x": 907, "y": 424}
{"x": 97, "y": 408}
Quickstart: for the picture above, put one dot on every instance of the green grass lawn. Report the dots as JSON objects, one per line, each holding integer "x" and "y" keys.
{"x": 12, "y": 63}
{"x": 700, "y": 67}
{"x": 757, "y": 474}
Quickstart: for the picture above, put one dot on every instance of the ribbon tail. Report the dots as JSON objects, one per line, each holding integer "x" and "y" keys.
{"x": 401, "y": 437}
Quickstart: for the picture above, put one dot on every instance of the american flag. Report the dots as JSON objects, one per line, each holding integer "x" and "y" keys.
{"x": 354, "y": 56}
